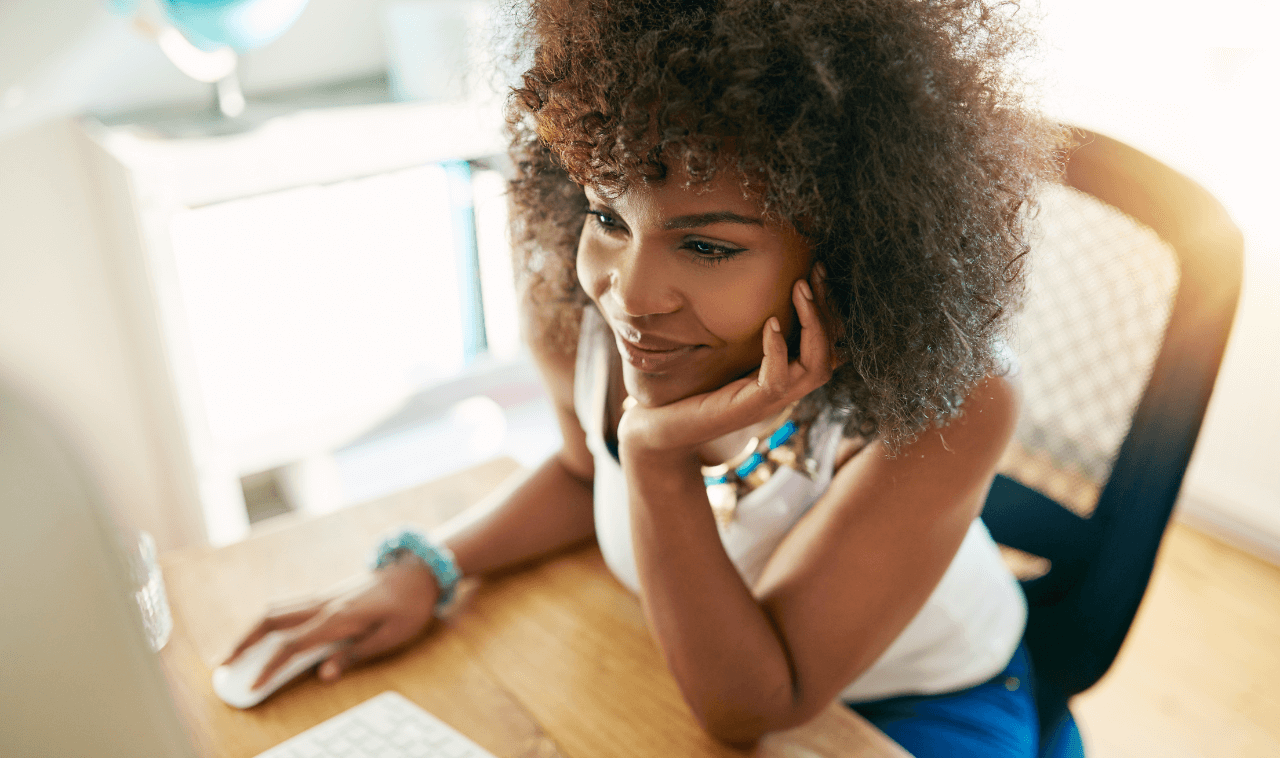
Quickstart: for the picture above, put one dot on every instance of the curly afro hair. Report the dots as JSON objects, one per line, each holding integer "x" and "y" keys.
{"x": 892, "y": 134}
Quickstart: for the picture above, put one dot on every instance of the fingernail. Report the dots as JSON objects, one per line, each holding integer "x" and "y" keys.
{"x": 774, "y": 325}
{"x": 804, "y": 290}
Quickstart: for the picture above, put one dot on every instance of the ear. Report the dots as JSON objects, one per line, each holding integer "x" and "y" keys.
{"x": 818, "y": 280}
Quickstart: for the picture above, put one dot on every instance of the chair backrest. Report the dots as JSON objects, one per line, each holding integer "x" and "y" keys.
{"x": 1132, "y": 289}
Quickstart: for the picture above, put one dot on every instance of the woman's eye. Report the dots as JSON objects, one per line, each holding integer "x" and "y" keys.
{"x": 708, "y": 252}
{"x": 604, "y": 220}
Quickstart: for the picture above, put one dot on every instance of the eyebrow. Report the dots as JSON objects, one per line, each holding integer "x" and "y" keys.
{"x": 706, "y": 219}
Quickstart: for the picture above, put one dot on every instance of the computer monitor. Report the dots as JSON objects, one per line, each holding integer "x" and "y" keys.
{"x": 77, "y": 676}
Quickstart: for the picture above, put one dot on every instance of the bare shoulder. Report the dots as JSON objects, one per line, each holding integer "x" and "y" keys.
{"x": 989, "y": 416}
{"x": 957, "y": 459}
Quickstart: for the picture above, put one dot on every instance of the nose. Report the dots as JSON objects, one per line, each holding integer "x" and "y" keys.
{"x": 641, "y": 283}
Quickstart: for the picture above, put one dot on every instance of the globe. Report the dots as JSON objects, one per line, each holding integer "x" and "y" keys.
{"x": 239, "y": 24}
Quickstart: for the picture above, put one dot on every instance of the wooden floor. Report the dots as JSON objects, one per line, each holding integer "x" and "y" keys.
{"x": 1199, "y": 674}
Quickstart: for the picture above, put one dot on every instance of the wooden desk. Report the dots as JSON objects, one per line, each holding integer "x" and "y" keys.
{"x": 554, "y": 661}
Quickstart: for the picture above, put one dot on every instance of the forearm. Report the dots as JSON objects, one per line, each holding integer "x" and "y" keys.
{"x": 546, "y": 512}
{"x": 725, "y": 652}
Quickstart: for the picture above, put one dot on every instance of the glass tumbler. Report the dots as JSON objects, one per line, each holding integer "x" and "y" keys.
{"x": 149, "y": 591}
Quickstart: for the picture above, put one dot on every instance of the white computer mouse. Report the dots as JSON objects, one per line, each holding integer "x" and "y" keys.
{"x": 232, "y": 682}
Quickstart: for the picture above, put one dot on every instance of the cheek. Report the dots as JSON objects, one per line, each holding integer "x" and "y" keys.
{"x": 735, "y": 308}
{"x": 588, "y": 269}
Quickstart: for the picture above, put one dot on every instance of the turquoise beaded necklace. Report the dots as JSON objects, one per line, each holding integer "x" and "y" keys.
{"x": 730, "y": 481}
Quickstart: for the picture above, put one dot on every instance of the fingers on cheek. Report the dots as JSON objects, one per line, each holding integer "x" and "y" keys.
{"x": 774, "y": 369}
{"x": 802, "y": 296}
{"x": 773, "y": 340}
{"x": 775, "y": 375}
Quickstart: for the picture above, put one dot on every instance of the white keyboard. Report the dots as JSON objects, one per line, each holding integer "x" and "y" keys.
{"x": 386, "y": 726}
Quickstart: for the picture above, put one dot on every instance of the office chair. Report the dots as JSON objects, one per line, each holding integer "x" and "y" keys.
{"x": 1133, "y": 284}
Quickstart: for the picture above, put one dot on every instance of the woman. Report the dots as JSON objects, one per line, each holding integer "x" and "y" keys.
{"x": 768, "y": 250}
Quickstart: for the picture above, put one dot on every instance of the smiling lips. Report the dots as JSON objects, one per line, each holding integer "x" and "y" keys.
{"x": 653, "y": 354}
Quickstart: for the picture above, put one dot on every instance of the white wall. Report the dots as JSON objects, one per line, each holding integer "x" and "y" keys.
{"x": 62, "y": 330}
{"x": 1233, "y": 484}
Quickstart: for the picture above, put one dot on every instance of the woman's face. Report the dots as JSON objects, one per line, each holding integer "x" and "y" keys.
{"x": 687, "y": 279}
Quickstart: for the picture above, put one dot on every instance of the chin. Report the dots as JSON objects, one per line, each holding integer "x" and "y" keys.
{"x": 655, "y": 390}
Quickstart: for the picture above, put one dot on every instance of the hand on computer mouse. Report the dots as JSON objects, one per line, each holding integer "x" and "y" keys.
{"x": 235, "y": 682}
{"x": 391, "y": 608}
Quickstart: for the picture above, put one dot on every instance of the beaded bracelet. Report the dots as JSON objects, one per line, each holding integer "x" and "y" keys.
{"x": 438, "y": 558}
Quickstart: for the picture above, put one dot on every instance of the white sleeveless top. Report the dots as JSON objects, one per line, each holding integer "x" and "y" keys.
{"x": 967, "y": 630}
